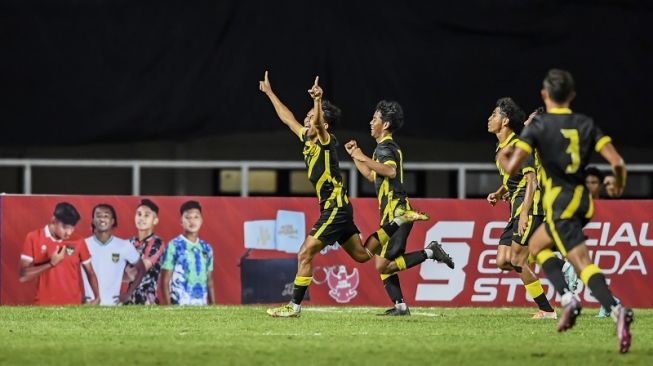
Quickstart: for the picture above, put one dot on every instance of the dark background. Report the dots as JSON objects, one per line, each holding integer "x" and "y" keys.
{"x": 80, "y": 72}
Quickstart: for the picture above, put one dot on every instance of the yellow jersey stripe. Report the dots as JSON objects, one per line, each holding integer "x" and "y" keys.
{"x": 563, "y": 110}
{"x": 574, "y": 203}
{"x": 324, "y": 226}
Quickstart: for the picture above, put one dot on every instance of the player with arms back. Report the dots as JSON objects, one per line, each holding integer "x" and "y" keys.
{"x": 526, "y": 211}
{"x": 565, "y": 141}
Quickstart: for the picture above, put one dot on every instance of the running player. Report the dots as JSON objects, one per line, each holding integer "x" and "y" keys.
{"x": 565, "y": 141}
{"x": 336, "y": 222}
{"x": 386, "y": 170}
{"x": 526, "y": 211}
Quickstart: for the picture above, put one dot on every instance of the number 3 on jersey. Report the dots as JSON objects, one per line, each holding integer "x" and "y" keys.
{"x": 573, "y": 149}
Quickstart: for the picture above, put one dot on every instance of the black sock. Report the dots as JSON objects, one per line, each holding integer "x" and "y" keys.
{"x": 414, "y": 258}
{"x": 390, "y": 228}
{"x": 553, "y": 269}
{"x": 298, "y": 294}
{"x": 393, "y": 288}
{"x": 543, "y": 303}
{"x": 600, "y": 290}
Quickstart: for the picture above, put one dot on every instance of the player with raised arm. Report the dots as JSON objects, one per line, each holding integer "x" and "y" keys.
{"x": 336, "y": 221}
{"x": 386, "y": 171}
{"x": 524, "y": 198}
{"x": 565, "y": 141}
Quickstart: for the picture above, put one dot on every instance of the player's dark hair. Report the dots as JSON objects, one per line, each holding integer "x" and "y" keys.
{"x": 591, "y": 170}
{"x": 66, "y": 213}
{"x": 392, "y": 113}
{"x": 331, "y": 113}
{"x": 559, "y": 84}
{"x": 149, "y": 204}
{"x": 108, "y": 207}
{"x": 512, "y": 111}
{"x": 189, "y": 205}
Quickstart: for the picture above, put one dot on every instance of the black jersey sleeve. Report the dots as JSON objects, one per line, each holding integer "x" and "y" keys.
{"x": 386, "y": 155}
{"x": 530, "y": 135}
{"x": 598, "y": 137}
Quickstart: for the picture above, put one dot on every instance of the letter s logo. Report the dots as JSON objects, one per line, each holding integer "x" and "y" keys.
{"x": 459, "y": 252}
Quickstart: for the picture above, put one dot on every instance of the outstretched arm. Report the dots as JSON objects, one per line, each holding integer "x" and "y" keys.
{"x": 610, "y": 154}
{"x": 285, "y": 115}
{"x": 317, "y": 120}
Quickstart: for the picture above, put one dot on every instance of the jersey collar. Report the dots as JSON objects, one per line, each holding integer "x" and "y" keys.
{"x": 506, "y": 141}
{"x": 48, "y": 235}
{"x": 563, "y": 110}
{"x": 387, "y": 137}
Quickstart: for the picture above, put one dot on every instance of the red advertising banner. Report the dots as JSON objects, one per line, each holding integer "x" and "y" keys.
{"x": 254, "y": 240}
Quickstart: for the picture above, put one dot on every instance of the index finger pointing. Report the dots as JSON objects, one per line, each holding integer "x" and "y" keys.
{"x": 317, "y": 79}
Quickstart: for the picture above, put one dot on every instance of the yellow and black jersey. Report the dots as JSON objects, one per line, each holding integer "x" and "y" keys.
{"x": 390, "y": 191}
{"x": 565, "y": 141}
{"x": 323, "y": 168}
{"x": 516, "y": 184}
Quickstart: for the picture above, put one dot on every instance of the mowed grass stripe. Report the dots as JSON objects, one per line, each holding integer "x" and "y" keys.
{"x": 245, "y": 335}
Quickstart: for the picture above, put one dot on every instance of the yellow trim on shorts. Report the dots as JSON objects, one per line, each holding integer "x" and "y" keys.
{"x": 588, "y": 272}
{"x": 550, "y": 195}
{"x": 328, "y": 221}
{"x": 573, "y": 205}
{"x": 602, "y": 141}
{"x": 303, "y": 281}
{"x": 529, "y": 226}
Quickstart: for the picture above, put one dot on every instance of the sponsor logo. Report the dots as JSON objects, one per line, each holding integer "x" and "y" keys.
{"x": 343, "y": 285}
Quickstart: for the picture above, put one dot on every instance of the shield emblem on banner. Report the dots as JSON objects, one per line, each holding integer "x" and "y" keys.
{"x": 115, "y": 257}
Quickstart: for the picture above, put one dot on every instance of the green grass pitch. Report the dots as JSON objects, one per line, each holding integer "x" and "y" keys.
{"x": 245, "y": 335}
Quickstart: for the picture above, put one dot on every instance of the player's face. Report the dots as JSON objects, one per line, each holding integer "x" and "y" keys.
{"x": 191, "y": 220}
{"x": 145, "y": 218}
{"x": 103, "y": 220}
{"x": 593, "y": 185}
{"x": 61, "y": 231}
{"x": 376, "y": 125}
{"x": 495, "y": 121}
{"x": 312, "y": 131}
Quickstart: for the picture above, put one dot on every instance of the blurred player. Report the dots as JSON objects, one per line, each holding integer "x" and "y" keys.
{"x": 54, "y": 259}
{"x": 386, "y": 171}
{"x": 526, "y": 211}
{"x": 593, "y": 181}
{"x": 565, "y": 141}
{"x": 336, "y": 222}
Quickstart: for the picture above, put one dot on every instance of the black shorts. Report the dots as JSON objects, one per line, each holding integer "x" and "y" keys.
{"x": 567, "y": 212}
{"x": 567, "y": 234}
{"x": 396, "y": 246}
{"x": 511, "y": 232}
{"x": 335, "y": 224}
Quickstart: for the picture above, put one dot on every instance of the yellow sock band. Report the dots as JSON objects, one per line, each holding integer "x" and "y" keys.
{"x": 383, "y": 237}
{"x": 384, "y": 276}
{"x": 588, "y": 272}
{"x": 401, "y": 262}
{"x": 303, "y": 281}
{"x": 544, "y": 255}
{"x": 534, "y": 289}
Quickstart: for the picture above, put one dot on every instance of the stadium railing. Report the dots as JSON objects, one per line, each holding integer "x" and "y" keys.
{"x": 462, "y": 169}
